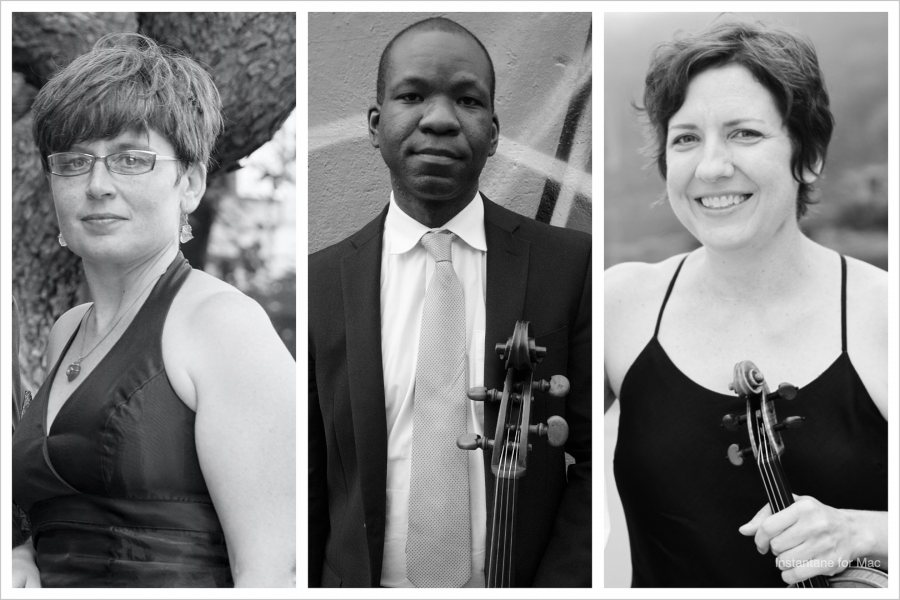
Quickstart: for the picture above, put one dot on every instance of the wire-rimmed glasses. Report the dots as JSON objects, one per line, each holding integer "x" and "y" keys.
{"x": 129, "y": 162}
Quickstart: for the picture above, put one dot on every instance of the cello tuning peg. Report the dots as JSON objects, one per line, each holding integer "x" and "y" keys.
{"x": 480, "y": 394}
{"x": 736, "y": 454}
{"x": 789, "y": 423}
{"x": 732, "y": 422}
{"x": 558, "y": 386}
{"x": 556, "y": 430}
{"x": 786, "y": 391}
{"x": 473, "y": 441}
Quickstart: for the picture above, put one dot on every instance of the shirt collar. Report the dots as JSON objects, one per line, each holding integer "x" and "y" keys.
{"x": 402, "y": 232}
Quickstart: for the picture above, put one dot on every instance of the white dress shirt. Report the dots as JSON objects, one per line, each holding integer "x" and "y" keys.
{"x": 406, "y": 269}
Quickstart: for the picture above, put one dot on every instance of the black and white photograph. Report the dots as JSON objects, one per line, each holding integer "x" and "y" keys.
{"x": 746, "y": 312}
{"x": 449, "y": 198}
{"x": 153, "y": 262}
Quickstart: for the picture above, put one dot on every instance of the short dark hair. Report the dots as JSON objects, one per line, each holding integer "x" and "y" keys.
{"x": 128, "y": 82}
{"x": 430, "y": 24}
{"x": 784, "y": 62}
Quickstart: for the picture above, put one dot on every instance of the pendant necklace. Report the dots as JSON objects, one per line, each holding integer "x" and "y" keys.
{"x": 74, "y": 369}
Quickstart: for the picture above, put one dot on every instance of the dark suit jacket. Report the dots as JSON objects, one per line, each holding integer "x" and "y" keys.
{"x": 536, "y": 273}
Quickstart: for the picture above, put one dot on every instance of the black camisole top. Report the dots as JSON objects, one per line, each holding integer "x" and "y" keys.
{"x": 114, "y": 490}
{"x": 683, "y": 499}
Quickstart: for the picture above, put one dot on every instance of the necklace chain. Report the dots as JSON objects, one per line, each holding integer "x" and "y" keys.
{"x": 74, "y": 368}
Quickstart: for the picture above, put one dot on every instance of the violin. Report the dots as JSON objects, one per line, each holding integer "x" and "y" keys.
{"x": 767, "y": 446}
{"x": 511, "y": 442}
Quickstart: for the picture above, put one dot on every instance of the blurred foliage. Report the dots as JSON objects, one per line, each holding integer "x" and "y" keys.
{"x": 252, "y": 246}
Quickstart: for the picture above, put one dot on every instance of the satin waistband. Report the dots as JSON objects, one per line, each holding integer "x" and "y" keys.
{"x": 84, "y": 509}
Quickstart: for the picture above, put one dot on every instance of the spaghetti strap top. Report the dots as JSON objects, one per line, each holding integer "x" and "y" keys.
{"x": 114, "y": 489}
{"x": 684, "y": 501}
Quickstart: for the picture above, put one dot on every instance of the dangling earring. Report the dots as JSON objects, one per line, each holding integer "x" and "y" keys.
{"x": 186, "y": 234}
{"x": 61, "y": 240}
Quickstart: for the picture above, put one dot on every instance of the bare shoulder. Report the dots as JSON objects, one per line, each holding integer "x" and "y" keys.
{"x": 867, "y": 297}
{"x": 214, "y": 333}
{"x": 864, "y": 279}
{"x": 633, "y": 288}
{"x": 867, "y": 327}
{"x": 632, "y": 295}
{"x": 63, "y": 329}
{"x": 210, "y": 311}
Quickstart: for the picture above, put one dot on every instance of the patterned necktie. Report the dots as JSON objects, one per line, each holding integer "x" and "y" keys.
{"x": 438, "y": 543}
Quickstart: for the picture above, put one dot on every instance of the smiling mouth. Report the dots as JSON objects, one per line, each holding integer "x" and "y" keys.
{"x": 724, "y": 201}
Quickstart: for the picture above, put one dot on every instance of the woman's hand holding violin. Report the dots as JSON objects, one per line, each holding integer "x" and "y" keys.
{"x": 809, "y": 538}
{"x": 25, "y": 573}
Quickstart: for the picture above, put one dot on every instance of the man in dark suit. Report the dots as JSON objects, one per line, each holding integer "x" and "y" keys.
{"x": 435, "y": 126}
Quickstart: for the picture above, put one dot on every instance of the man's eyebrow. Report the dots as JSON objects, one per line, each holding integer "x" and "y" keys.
{"x": 460, "y": 81}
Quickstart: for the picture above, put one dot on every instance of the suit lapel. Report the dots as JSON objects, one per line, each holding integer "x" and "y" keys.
{"x": 507, "y": 278}
{"x": 361, "y": 285}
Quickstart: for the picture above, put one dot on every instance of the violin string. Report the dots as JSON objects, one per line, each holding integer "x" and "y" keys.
{"x": 774, "y": 480}
{"x": 514, "y": 489}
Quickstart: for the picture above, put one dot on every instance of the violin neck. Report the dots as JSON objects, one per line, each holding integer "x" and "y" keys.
{"x": 778, "y": 490}
{"x": 780, "y": 496}
{"x": 500, "y": 564}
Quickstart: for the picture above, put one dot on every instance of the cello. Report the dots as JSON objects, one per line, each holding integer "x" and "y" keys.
{"x": 767, "y": 447}
{"x": 511, "y": 442}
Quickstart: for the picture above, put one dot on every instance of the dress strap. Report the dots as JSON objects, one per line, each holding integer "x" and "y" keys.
{"x": 843, "y": 304}
{"x": 668, "y": 293}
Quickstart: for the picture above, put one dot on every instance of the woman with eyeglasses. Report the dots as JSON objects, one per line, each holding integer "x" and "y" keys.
{"x": 160, "y": 449}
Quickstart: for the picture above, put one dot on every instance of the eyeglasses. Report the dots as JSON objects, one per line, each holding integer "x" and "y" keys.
{"x": 130, "y": 162}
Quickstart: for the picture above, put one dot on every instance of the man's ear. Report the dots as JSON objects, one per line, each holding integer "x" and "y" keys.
{"x": 193, "y": 183}
{"x": 374, "y": 118}
{"x": 495, "y": 134}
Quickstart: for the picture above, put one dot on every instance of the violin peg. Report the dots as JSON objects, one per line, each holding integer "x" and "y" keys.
{"x": 558, "y": 386}
{"x": 789, "y": 423}
{"x": 480, "y": 394}
{"x": 732, "y": 422}
{"x": 556, "y": 430}
{"x": 472, "y": 441}
{"x": 787, "y": 391}
{"x": 736, "y": 454}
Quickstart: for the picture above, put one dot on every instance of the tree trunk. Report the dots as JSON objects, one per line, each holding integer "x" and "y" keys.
{"x": 251, "y": 57}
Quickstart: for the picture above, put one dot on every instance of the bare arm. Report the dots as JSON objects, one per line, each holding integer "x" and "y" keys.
{"x": 244, "y": 380}
{"x": 25, "y": 573}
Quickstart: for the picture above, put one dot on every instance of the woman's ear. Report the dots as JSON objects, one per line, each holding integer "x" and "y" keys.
{"x": 810, "y": 176}
{"x": 193, "y": 184}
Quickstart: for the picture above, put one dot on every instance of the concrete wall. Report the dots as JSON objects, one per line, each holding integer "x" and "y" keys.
{"x": 543, "y": 101}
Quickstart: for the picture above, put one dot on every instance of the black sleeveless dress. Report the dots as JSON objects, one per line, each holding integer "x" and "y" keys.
{"x": 114, "y": 490}
{"x": 684, "y": 501}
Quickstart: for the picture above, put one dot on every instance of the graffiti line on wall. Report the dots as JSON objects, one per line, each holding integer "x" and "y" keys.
{"x": 338, "y": 132}
{"x": 573, "y": 179}
{"x": 560, "y": 195}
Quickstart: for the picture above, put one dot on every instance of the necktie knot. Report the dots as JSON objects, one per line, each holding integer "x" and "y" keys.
{"x": 437, "y": 243}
